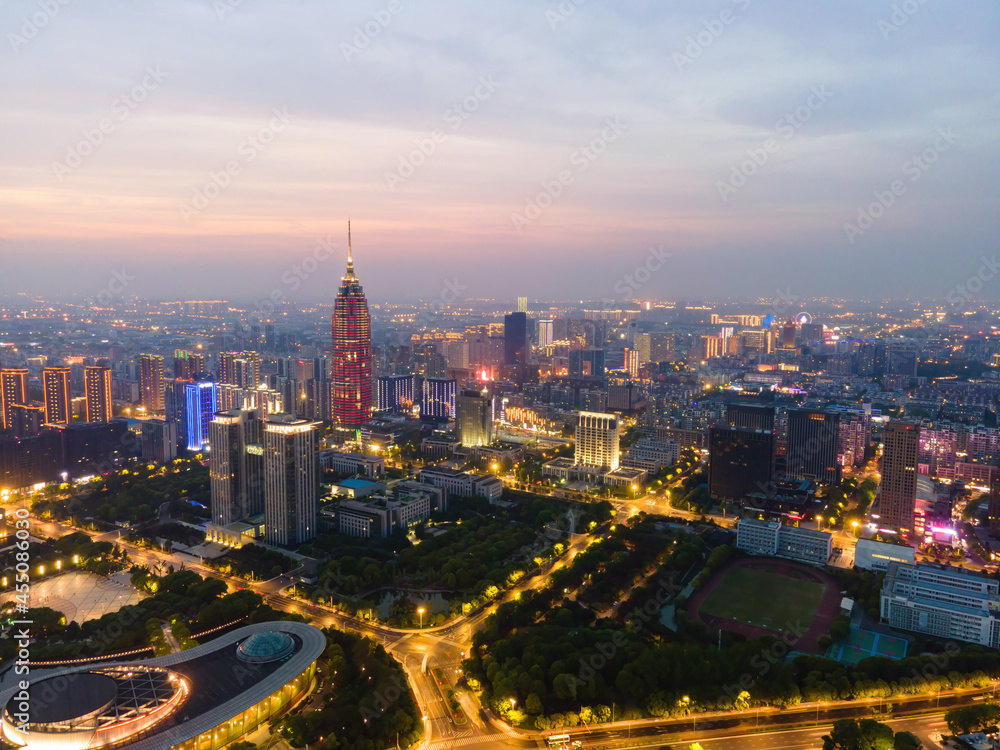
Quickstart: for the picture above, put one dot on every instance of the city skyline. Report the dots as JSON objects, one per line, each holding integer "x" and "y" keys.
{"x": 831, "y": 107}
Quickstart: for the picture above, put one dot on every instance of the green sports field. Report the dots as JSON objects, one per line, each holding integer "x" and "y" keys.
{"x": 764, "y": 599}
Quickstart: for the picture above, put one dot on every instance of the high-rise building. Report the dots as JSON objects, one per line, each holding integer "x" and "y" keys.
{"x": 240, "y": 368}
{"x": 788, "y": 335}
{"x": 754, "y": 416}
{"x": 711, "y": 346}
{"x": 395, "y": 394}
{"x": 351, "y": 366}
{"x": 474, "y": 418}
{"x": 546, "y": 333}
{"x": 189, "y": 365}
{"x": 236, "y": 465}
{"x": 438, "y": 404}
{"x": 13, "y": 392}
{"x": 585, "y": 363}
{"x": 151, "y": 382}
{"x": 198, "y": 408}
{"x": 597, "y": 438}
{"x": 522, "y": 304}
{"x": 741, "y": 460}
{"x": 811, "y": 333}
{"x": 55, "y": 386}
{"x": 97, "y": 387}
{"x": 290, "y": 481}
{"x": 813, "y": 445}
{"x": 757, "y": 339}
{"x": 515, "y": 338}
{"x": 898, "y": 488}
{"x": 159, "y": 441}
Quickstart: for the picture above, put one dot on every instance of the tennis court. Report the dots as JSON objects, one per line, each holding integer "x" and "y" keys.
{"x": 861, "y": 644}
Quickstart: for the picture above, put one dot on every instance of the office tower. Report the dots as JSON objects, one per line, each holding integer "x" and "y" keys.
{"x": 236, "y": 465}
{"x": 438, "y": 404}
{"x": 546, "y": 333}
{"x": 13, "y": 392}
{"x": 642, "y": 344}
{"x": 788, "y": 335}
{"x": 522, "y": 304}
{"x": 55, "y": 385}
{"x": 661, "y": 347}
{"x": 159, "y": 441}
{"x": 754, "y": 416}
{"x": 813, "y": 445}
{"x": 198, "y": 408}
{"x": 741, "y": 460}
{"x": 240, "y": 368}
{"x": 597, "y": 437}
{"x": 811, "y": 333}
{"x": 515, "y": 339}
{"x": 586, "y": 363}
{"x": 151, "y": 382}
{"x": 458, "y": 355}
{"x": 290, "y": 482}
{"x": 97, "y": 387}
{"x": 898, "y": 489}
{"x": 395, "y": 394}
{"x": 632, "y": 362}
{"x": 901, "y": 359}
{"x": 757, "y": 339}
{"x": 474, "y": 418}
{"x": 304, "y": 370}
{"x": 351, "y": 366}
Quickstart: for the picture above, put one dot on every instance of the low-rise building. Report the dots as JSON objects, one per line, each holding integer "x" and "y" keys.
{"x": 463, "y": 483}
{"x": 352, "y": 463}
{"x": 773, "y": 539}
{"x": 381, "y": 516}
{"x": 943, "y": 602}
{"x": 878, "y": 556}
{"x": 356, "y": 487}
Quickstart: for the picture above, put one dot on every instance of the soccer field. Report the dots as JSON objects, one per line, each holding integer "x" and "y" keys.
{"x": 765, "y": 599}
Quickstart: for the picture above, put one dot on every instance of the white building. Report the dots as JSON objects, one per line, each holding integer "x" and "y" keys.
{"x": 943, "y": 602}
{"x": 597, "y": 437}
{"x": 652, "y": 455}
{"x": 877, "y": 556}
{"x": 352, "y": 463}
{"x": 462, "y": 483}
{"x": 773, "y": 539}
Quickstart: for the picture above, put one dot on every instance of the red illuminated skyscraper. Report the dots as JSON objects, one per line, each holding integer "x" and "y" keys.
{"x": 351, "y": 370}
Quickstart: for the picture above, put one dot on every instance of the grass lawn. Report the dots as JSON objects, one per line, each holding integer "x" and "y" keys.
{"x": 764, "y": 599}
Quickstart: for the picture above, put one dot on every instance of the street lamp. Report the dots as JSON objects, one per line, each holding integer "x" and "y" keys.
{"x": 421, "y": 613}
{"x": 855, "y": 525}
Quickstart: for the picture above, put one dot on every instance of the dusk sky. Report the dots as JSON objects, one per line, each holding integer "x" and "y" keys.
{"x": 833, "y": 100}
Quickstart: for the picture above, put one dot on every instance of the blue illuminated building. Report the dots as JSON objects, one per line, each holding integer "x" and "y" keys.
{"x": 199, "y": 406}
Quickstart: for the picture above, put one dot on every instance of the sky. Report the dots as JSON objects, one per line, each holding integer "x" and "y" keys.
{"x": 215, "y": 149}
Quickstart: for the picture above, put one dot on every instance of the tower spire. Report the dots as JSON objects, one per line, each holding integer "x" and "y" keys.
{"x": 350, "y": 252}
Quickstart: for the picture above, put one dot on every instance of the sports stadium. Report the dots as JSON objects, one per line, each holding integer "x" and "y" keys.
{"x": 199, "y": 699}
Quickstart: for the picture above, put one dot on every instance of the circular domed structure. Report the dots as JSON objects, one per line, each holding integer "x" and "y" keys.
{"x": 92, "y": 708}
{"x": 263, "y": 648}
